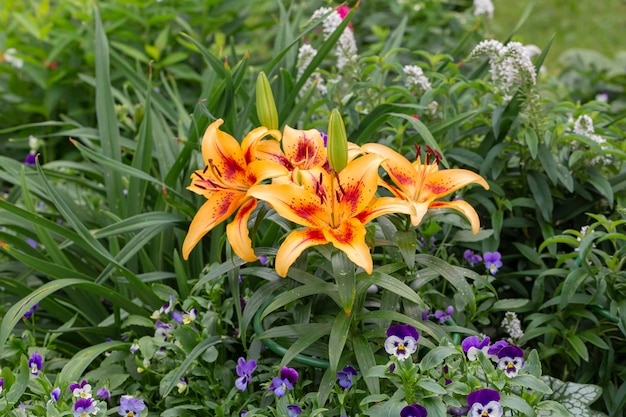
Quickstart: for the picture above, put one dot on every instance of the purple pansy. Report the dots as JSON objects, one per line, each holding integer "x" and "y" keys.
{"x": 31, "y": 311}
{"x": 495, "y": 348}
{"x": 471, "y": 257}
{"x": 177, "y": 317}
{"x": 130, "y": 406}
{"x": 345, "y": 377}
{"x": 244, "y": 370}
{"x": 288, "y": 377}
{"x": 35, "y": 363}
{"x": 103, "y": 393}
{"x": 484, "y": 403}
{"x": 293, "y": 410}
{"x": 162, "y": 330}
{"x": 1, "y": 384}
{"x": 442, "y": 316}
{"x": 264, "y": 260}
{"x": 413, "y": 410}
{"x": 30, "y": 159}
{"x": 492, "y": 261}
{"x": 82, "y": 390}
{"x": 55, "y": 393}
{"x": 472, "y": 344}
{"x": 84, "y": 407}
{"x": 401, "y": 341}
{"x": 511, "y": 360}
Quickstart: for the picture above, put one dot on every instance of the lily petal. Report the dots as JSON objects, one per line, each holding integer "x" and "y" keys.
{"x": 293, "y": 203}
{"x": 224, "y": 154}
{"x": 262, "y": 170}
{"x": 385, "y": 205}
{"x": 249, "y": 143}
{"x": 294, "y": 245}
{"x": 462, "y": 206}
{"x": 444, "y": 182}
{"x": 269, "y": 150}
{"x": 304, "y": 148}
{"x": 237, "y": 232}
{"x": 349, "y": 237}
{"x": 357, "y": 185}
{"x": 215, "y": 210}
{"x": 400, "y": 170}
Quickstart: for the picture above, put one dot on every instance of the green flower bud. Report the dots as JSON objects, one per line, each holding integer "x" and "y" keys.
{"x": 265, "y": 105}
{"x": 337, "y": 147}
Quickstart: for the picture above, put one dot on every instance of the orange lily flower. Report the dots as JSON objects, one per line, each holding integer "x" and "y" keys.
{"x": 301, "y": 150}
{"x": 230, "y": 171}
{"x": 420, "y": 184}
{"x": 333, "y": 207}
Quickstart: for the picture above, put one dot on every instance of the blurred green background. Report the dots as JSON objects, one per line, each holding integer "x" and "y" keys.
{"x": 590, "y": 24}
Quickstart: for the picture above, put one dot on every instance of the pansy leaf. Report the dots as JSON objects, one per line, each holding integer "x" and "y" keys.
{"x": 529, "y": 381}
{"x": 518, "y": 404}
{"x": 436, "y": 356}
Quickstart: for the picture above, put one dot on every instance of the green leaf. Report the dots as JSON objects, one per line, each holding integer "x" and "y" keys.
{"x": 575, "y": 397}
{"x": 338, "y": 337}
{"x": 312, "y": 333}
{"x": 579, "y": 347}
{"x": 548, "y": 163}
{"x": 541, "y": 192}
{"x": 169, "y": 382}
{"x": 75, "y": 367}
{"x": 509, "y": 304}
{"x": 529, "y": 253}
{"x": 602, "y": 185}
{"x": 532, "y": 382}
{"x": 366, "y": 360}
{"x": 452, "y": 275}
{"x": 573, "y": 280}
{"x": 532, "y": 142}
{"x": 392, "y": 284}
{"x": 107, "y": 118}
{"x": 436, "y": 357}
{"x": 516, "y": 403}
{"x": 20, "y": 384}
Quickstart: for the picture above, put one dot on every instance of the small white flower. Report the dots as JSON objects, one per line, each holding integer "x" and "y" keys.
{"x": 82, "y": 392}
{"x": 345, "y": 49}
{"x": 512, "y": 325}
{"x": 9, "y": 56}
{"x": 415, "y": 79}
{"x": 483, "y": 7}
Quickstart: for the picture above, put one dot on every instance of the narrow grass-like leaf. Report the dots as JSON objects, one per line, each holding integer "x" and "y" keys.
{"x": 366, "y": 360}
{"x": 338, "y": 337}
{"x": 452, "y": 275}
{"x": 107, "y": 118}
{"x": 297, "y": 293}
{"x": 392, "y": 284}
{"x": 76, "y": 366}
{"x": 314, "y": 332}
{"x": 436, "y": 356}
{"x": 16, "y": 312}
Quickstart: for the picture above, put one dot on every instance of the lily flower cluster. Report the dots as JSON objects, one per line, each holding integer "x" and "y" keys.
{"x": 331, "y": 203}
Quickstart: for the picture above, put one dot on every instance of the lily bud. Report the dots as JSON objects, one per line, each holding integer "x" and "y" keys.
{"x": 265, "y": 105}
{"x": 337, "y": 147}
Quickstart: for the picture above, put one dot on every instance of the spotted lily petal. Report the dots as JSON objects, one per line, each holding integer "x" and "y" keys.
{"x": 294, "y": 245}
{"x": 215, "y": 210}
{"x": 304, "y": 148}
{"x": 349, "y": 237}
{"x": 441, "y": 183}
{"x": 462, "y": 206}
{"x": 237, "y": 232}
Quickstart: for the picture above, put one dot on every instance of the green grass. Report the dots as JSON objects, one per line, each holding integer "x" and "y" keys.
{"x": 590, "y": 24}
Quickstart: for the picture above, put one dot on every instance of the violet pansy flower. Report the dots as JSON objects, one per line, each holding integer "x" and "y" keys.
{"x": 244, "y": 370}
{"x": 346, "y": 377}
{"x": 293, "y": 410}
{"x": 471, "y": 257}
{"x": 484, "y": 403}
{"x": 288, "y": 377}
{"x": 413, "y": 410}
{"x": 103, "y": 393}
{"x": 84, "y": 407}
{"x": 495, "y": 348}
{"x": 35, "y": 363}
{"x": 82, "y": 390}
{"x": 472, "y": 344}
{"x": 130, "y": 406}
{"x": 492, "y": 261}
{"x": 442, "y": 316}
{"x": 401, "y": 341}
{"x": 511, "y": 360}
{"x": 55, "y": 393}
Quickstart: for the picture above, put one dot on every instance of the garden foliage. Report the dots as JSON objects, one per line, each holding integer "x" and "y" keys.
{"x": 125, "y": 292}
